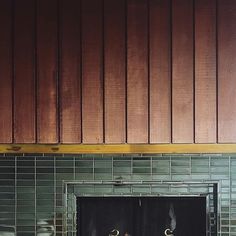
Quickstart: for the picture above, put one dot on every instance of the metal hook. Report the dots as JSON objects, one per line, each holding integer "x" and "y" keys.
{"x": 114, "y": 232}
{"x": 168, "y": 232}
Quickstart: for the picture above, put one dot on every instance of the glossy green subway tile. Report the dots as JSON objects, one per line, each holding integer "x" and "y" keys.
{"x": 180, "y": 170}
{"x": 67, "y": 163}
{"x": 102, "y": 176}
{"x": 122, "y": 163}
{"x": 180, "y": 162}
{"x": 84, "y": 170}
{"x": 199, "y": 169}
{"x": 122, "y": 190}
{"x": 141, "y": 177}
{"x": 44, "y": 202}
{"x": 48, "y": 208}
{"x": 25, "y": 196}
{"x": 5, "y": 177}
{"x": 7, "y": 163}
{"x": 6, "y": 208}
{"x": 181, "y": 177}
{"x": 220, "y": 169}
{"x": 102, "y": 164}
{"x": 45, "y": 182}
{"x": 25, "y": 222}
{"x": 7, "y": 202}
{"x": 6, "y": 230}
{"x": 24, "y": 183}
{"x": 7, "y": 221}
{"x": 122, "y": 176}
{"x": 142, "y": 163}
{"x": 25, "y": 203}
{"x": 84, "y": 163}
{"x": 25, "y": 163}
{"x": 162, "y": 177}
{"x": 225, "y": 229}
{"x": 7, "y": 196}
{"x": 45, "y": 176}
{"x": 122, "y": 170}
{"x": 8, "y": 170}
{"x": 45, "y": 189}
{"x": 42, "y": 195}
{"x": 141, "y": 170}
{"x": 45, "y": 170}
{"x": 25, "y": 215}
{"x": 64, "y": 176}
{"x": 43, "y": 164}
{"x": 26, "y": 233}
{"x": 64, "y": 170}
{"x": 28, "y": 189}
{"x": 84, "y": 176}
{"x": 25, "y": 176}
{"x": 25, "y": 228}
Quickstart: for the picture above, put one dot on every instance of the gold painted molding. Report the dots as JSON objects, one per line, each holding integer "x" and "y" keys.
{"x": 117, "y": 148}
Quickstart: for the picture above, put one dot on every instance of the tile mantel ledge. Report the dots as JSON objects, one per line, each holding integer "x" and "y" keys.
{"x": 117, "y": 148}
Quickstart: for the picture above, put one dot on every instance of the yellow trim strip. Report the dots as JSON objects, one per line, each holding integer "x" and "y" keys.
{"x": 117, "y": 148}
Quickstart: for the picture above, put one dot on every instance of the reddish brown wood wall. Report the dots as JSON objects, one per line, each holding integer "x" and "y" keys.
{"x": 118, "y": 71}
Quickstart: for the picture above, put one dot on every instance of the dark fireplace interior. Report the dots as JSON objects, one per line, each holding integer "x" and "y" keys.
{"x": 141, "y": 216}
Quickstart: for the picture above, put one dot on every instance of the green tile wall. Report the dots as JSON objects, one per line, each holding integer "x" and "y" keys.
{"x": 31, "y": 186}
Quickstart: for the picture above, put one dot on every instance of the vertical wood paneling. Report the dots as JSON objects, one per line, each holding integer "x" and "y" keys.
{"x": 92, "y": 71}
{"x": 47, "y": 45}
{"x": 115, "y": 72}
{"x": 70, "y": 72}
{"x": 205, "y": 71}
{"x": 137, "y": 74}
{"x": 227, "y": 70}
{"x": 6, "y": 71}
{"x": 24, "y": 53}
{"x": 182, "y": 71}
{"x": 160, "y": 71}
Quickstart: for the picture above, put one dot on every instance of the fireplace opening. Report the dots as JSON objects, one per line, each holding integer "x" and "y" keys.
{"x": 142, "y": 216}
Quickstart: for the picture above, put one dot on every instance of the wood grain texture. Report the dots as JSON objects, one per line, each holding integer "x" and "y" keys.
{"x": 160, "y": 71}
{"x": 47, "y": 46}
{"x": 92, "y": 71}
{"x": 205, "y": 71}
{"x": 182, "y": 71}
{"x": 24, "y": 83}
{"x": 115, "y": 72}
{"x": 227, "y": 71}
{"x": 70, "y": 89}
{"x": 6, "y": 71}
{"x": 137, "y": 72}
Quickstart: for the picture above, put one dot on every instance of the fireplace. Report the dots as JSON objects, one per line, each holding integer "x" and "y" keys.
{"x": 142, "y": 216}
{"x": 140, "y": 208}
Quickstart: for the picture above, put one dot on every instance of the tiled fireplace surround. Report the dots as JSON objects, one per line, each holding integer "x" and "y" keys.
{"x": 32, "y": 185}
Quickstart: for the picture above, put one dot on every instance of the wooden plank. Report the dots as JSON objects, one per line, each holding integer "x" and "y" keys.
{"x": 117, "y": 148}
{"x": 205, "y": 71}
{"x": 114, "y": 19}
{"x": 160, "y": 72}
{"x": 24, "y": 85}
{"x": 6, "y": 71}
{"x": 137, "y": 72}
{"x": 47, "y": 42}
{"x": 92, "y": 72}
{"x": 70, "y": 72}
{"x": 227, "y": 71}
{"x": 182, "y": 71}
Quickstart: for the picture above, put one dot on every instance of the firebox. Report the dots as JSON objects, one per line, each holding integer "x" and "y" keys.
{"x": 141, "y": 208}
{"x": 141, "y": 216}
